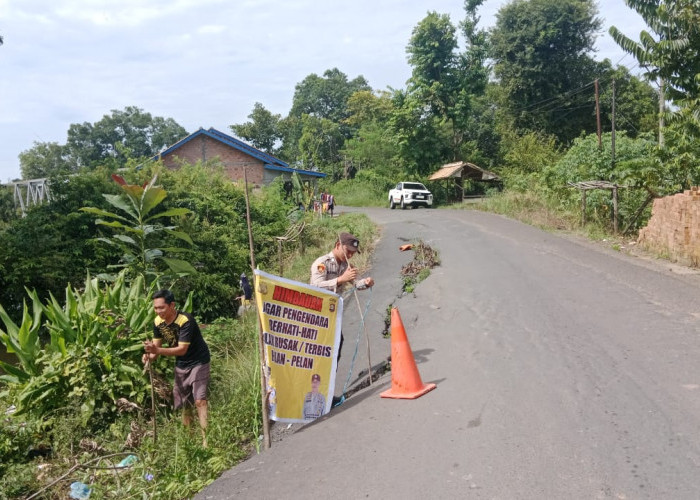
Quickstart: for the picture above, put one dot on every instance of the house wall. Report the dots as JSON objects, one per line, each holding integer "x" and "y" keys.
{"x": 205, "y": 148}
{"x": 674, "y": 227}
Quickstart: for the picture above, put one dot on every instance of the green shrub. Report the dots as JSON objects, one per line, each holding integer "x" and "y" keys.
{"x": 92, "y": 356}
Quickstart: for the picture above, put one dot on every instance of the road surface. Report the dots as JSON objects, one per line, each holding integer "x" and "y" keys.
{"x": 562, "y": 371}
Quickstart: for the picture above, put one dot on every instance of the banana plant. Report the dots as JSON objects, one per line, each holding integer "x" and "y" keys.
{"x": 138, "y": 226}
{"x": 303, "y": 193}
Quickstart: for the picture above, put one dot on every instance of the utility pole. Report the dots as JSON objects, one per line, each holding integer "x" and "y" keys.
{"x": 613, "y": 124}
{"x": 597, "y": 114}
{"x": 662, "y": 111}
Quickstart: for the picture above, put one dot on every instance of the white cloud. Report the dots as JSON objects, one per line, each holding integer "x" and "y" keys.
{"x": 211, "y": 29}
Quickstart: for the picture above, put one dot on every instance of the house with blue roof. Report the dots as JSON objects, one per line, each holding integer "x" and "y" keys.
{"x": 235, "y": 156}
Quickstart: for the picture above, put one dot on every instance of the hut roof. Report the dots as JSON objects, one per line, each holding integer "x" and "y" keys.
{"x": 463, "y": 169}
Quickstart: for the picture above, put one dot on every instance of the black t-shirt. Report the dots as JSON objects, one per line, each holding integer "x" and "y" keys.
{"x": 184, "y": 330}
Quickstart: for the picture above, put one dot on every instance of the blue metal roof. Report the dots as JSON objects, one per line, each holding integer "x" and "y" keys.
{"x": 297, "y": 170}
{"x": 270, "y": 161}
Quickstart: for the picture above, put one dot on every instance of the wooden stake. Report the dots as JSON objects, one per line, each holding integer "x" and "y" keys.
{"x": 153, "y": 402}
{"x": 261, "y": 344}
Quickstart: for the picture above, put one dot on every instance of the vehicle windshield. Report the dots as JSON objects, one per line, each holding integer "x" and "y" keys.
{"x": 414, "y": 185}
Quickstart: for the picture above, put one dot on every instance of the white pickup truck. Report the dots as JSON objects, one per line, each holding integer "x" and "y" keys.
{"x": 410, "y": 194}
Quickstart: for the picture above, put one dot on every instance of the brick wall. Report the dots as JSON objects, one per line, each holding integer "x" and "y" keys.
{"x": 204, "y": 148}
{"x": 674, "y": 227}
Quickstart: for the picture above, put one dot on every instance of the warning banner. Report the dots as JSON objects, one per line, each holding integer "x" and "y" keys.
{"x": 301, "y": 333}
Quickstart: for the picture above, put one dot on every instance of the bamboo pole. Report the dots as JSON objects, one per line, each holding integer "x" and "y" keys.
{"x": 261, "y": 344}
{"x": 153, "y": 402}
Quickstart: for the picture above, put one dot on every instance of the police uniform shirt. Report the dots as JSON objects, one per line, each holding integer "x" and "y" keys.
{"x": 325, "y": 271}
{"x": 314, "y": 404}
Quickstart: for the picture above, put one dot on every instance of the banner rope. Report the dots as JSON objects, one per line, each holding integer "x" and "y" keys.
{"x": 357, "y": 345}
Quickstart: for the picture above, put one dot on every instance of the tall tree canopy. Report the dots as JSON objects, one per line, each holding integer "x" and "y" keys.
{"x": 326, "y": 96}
{"x": 540, "y": 50}
{"x": 43, "y": 160}
{"x": 324, "y": 99}
{"x": 441, "y": 93}
{"x": 131, "y": 133}
{"x": 123, "y": 134}
{"x": 263, "y": 129}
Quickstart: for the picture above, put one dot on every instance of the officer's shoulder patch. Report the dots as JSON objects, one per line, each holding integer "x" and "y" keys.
{"x": 321, "y": 268}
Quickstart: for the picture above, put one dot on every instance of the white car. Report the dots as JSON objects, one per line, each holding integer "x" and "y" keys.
{"x": 410, "y": 194}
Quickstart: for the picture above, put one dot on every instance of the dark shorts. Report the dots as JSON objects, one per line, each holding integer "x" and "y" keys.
{"x": 190, "y": 385}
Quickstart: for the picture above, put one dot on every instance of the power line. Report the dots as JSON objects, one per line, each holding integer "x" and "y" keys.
{"x": 554, "y": 98}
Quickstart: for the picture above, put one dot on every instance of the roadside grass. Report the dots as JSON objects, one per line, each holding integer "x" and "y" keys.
{"x": 546, "y": 214}
{"x": 360, "y": 194}
{"x": 319, "y": 238}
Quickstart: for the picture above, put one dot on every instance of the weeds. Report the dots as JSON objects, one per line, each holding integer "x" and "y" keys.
{"x": 424, "y": 259}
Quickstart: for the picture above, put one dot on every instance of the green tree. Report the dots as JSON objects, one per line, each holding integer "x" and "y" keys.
{"x": 45, "y": 159}
{"x": 320, "y": 144}
{"x": 262, "y": 131}
{"x": 8, "y": 211}
{"x": 54, "y": 245}
{"x": 423, "y": 140}
{"x": 364, "y": 106}
{"x": 540, "y": 51}
{"x": 326, "y": 96}
{"x": 140, "y": 232}
{"x": 584, "y": 161}
{"x": 431, "y": 53}
{"x": 447, "y": 83}
{"x": 115, "y": 138}
{"x": 671, "y": 54}
{"x": 373, "y": 145}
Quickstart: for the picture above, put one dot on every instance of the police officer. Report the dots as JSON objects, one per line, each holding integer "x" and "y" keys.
{"x": 332, "y": 271}
{"x": 314, "y": 401}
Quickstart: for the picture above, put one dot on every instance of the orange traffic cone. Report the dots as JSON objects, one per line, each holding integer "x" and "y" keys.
{"x": 408, "y": 246}
{"x": 405, "y": 379}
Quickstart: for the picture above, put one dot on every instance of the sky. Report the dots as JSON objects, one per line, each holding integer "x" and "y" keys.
{"x": 205, "y": 63}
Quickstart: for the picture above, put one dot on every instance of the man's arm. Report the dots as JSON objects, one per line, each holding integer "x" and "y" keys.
{"x": 318, "y": 277}
{"x": 154, "y": 349}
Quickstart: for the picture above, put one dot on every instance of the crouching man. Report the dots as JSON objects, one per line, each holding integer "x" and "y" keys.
{"x": 181, "y": 333}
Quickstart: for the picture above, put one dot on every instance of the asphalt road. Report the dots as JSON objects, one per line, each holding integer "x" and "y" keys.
{"x": 562, "y": 371}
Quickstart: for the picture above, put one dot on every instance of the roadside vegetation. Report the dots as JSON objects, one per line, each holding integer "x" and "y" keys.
{"x": 76, "y": 402}
{"x": 76, "y": 274}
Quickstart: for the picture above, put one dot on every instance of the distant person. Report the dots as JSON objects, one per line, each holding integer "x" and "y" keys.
{"x": 181, "y": 332}
{"x": 245, "y": 286}
{"x": 333, "y": 272}
{"x": 247, "y": 294}
{"x": 331, "y": 203}
{"x": 314, "y": 401}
